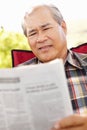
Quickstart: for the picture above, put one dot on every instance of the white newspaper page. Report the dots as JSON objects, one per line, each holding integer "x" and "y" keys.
{"x": 33, "y": 97}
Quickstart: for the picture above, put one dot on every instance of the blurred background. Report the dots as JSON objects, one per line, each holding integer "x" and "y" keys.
{"x": 11, "y": 15}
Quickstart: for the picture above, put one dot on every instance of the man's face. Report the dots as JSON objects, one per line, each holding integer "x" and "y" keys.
{"x": 46, "y": 37}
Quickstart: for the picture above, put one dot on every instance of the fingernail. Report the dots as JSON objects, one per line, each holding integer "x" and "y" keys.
{"x": 56, "y": 126}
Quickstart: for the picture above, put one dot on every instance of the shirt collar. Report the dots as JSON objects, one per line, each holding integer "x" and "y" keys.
{"x": 76, "y": 59}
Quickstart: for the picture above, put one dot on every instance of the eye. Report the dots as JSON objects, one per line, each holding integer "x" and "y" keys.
{"x": 32, "y": 34}
{"x": 46, "y": 28}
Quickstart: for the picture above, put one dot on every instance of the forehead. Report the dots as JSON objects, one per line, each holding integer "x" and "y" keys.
{"x": 39, "y": 17}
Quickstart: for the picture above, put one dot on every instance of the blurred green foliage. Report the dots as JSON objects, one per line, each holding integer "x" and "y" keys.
{"x": 9, "y": 41}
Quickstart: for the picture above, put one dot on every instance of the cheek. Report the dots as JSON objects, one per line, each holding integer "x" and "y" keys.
{"x": 60, "y": 39}
{"x": 32, "y": 43}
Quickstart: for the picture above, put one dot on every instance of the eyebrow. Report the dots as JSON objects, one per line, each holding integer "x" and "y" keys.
{"x": 44, "y": 25}
{"x": 41, "y": 26}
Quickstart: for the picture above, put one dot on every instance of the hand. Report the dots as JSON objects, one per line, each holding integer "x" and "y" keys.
{"x": 73, "y": 122}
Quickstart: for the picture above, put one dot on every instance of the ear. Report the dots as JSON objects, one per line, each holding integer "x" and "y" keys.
{"x": 63, "y": 25}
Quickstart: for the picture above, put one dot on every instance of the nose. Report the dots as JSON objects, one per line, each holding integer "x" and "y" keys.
{"x": 41, "y": 37}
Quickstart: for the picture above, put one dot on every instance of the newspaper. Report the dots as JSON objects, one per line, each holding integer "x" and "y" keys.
{"x": 33, "y": 97}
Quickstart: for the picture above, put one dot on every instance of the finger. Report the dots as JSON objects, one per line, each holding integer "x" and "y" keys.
{"x": 71, "y": 121}
{"x": 75, "y": 128}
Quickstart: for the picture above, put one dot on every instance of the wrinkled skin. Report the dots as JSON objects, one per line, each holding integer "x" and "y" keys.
{"x": 46, "y": 37}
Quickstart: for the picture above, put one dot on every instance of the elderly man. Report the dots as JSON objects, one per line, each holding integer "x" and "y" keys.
{"x": 46, "y": 32}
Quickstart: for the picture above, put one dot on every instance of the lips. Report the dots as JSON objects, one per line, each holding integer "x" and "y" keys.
{"x": 46, "y": 47}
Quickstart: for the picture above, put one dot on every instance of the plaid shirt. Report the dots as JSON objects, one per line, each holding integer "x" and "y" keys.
{"x": 76, "y": 73}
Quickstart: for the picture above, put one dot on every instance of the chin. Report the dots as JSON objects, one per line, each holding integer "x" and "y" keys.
{"x": 47, "y": 59}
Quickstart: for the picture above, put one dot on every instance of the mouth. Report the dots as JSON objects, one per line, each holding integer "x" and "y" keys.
{"x": 45, "y": 48}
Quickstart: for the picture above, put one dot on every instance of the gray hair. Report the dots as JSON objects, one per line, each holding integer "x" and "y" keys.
{"x": 56, "y": 14}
